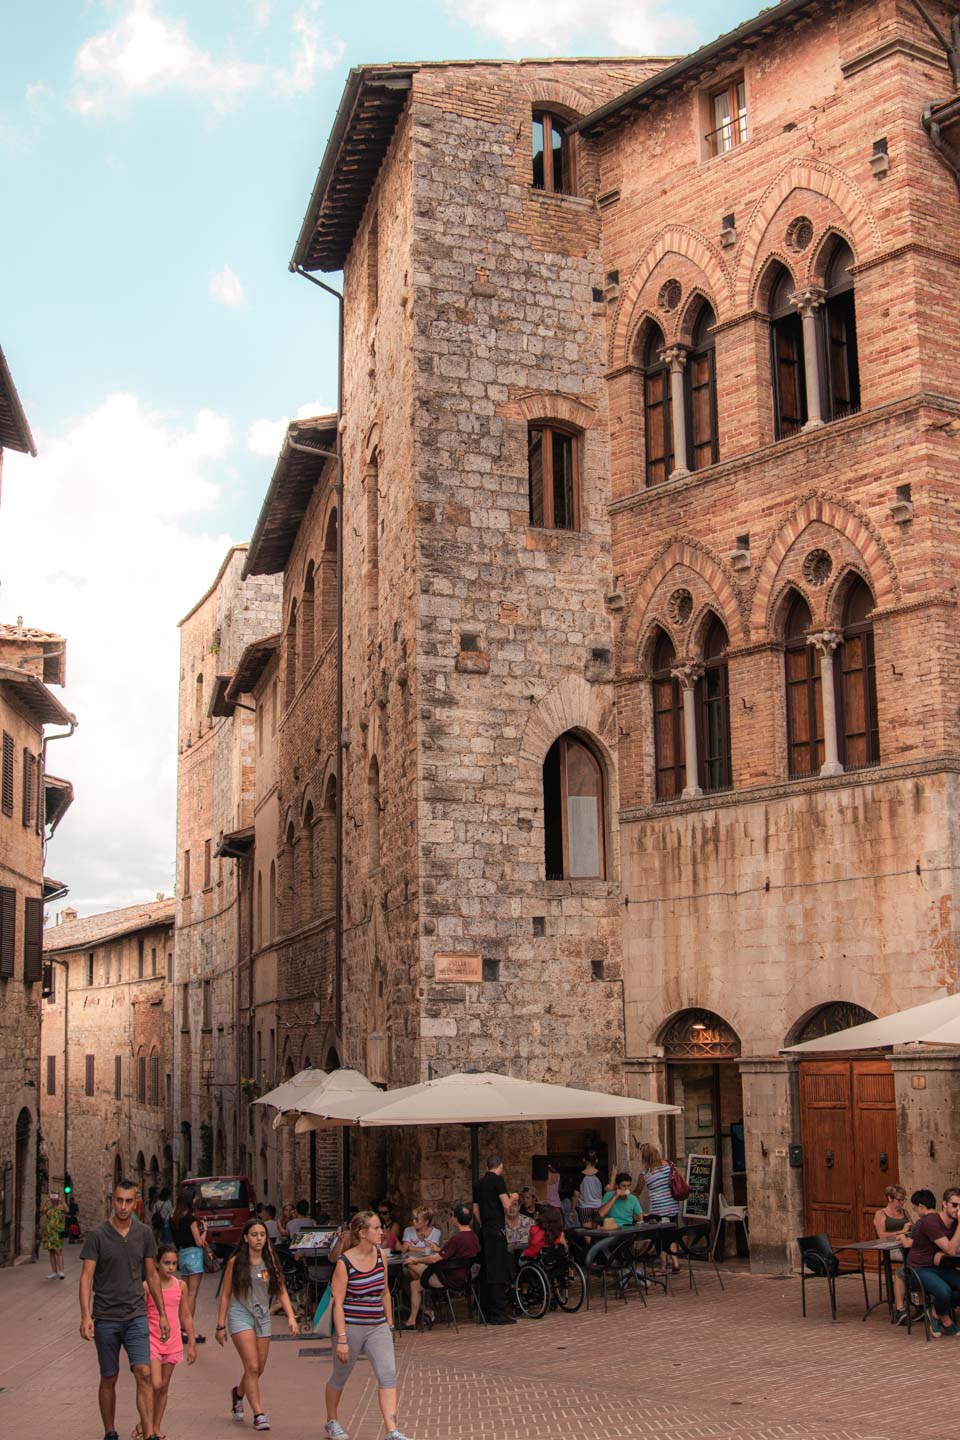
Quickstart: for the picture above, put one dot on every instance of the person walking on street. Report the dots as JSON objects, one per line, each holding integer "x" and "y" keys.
{"x": 190, "y": 1237}
{"x": 164, "y": 1354}
{"x": 54, "y": 1223}
{"x": 252, "y": 1282}
{"x": 363, "y": 1322}
{"x": 491, "y": 1201}
{"x": 117, "y": 1258}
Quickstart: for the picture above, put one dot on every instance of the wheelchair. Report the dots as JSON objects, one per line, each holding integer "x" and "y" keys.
{"x": 553, "y": 1281}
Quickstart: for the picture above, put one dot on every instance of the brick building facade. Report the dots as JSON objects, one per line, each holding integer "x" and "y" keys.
{"x": 107, "y": 1045}
{"x": 215, "y": 807}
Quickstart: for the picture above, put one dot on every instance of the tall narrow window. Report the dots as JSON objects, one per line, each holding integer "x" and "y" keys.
{"x": 328, "y": 581}
{"x": 141, "y": 1079}
{"x": 207, "y": 1005}
{"x": 207, "y": 864}
{"x": 6, "y": 785}
{"x": 573, "y": 812}
{"x": 552, "y": 155}
{"x": 140, "y": 957}
{"x": 668, "y": 739}
{"x": 308, "y": 889}
{"x": 657, "y": 420}
{"x": 291, "y": 653}
{"x": 186, "y": 874}
{"x": 701, "y": 387}
{"x": 840, "y": 337}
{"x": 32, "y": 940}
{"x": 786, "y": 357}
{"x": 856, "y": 687}
{"x": 728, "y": 107}
{"x": 89, "y": 1074}
{"x": 153, "y": 960}
{"x": 8, "y": 930}
{"x": 272, "y": 906}
{"x": 184, "y": 1005}
{"x": 28, "y": 797}
{"x": 51, "y": 1074}
{"x": 373, "y": 816}
{"x": 155, "y": 1078}
{"x": 198, "y": 703}
{"x": 118, "y": 1077}
{"x": 258, "y": 916}
{"x": 713, "y": 712}
{"x": 326, "y": 856}
{"x": 307, "y": 623}
{"x": 804, "y": 700}
{"x": 553, "y": 469}
{"x": 90, "y": 968}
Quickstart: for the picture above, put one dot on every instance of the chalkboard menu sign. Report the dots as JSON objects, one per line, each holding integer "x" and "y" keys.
{"x": 701, "y": 1177}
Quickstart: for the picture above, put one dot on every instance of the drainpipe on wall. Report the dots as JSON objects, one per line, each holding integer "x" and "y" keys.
{"x": 296, "y": 269}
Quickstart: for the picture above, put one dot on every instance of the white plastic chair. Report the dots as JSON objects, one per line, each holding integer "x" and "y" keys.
{"x": 736, "y": 1213}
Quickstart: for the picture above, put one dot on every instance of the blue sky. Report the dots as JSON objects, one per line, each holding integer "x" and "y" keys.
{"x": 156, "y": 158}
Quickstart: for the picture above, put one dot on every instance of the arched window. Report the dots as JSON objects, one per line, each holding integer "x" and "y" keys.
{"x": 272, "y": 910}
{"x": 713, "y": 712}
{"x": 291, "y": 653}
{"x": 840, "y": 326}
{"x": 553, "y": 468}
{"x": 326, "y": 861}
{"x": 656, "y": 408}
{"x": 258, "y": 917}
{"x": 307, "y": 624}
{"x": 552, "y": 154}
{"x": 786, "y": 352}
{"x": 328, "y": 581}
{"x": 701, "y": 393}
{"x": 667, "y": 721}
{"x": 308, "y": 907}
{"x": 573, "y": 811}
{"x": 198, "y": 703}
{"x": 154, "y": 1076}
{"x": 289, "y": 917}
{"x": 804, "y": 700}
{"x": 857, "y": 730}
{"x": 373, "y": 816}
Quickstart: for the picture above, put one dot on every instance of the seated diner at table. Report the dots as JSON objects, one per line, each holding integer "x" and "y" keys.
{"x": 421, "y": 1240}
{"x": 619, "y": 1207}
{"x": 894, "y": 1216}
{"x": 433, "y": 1275}
{"x": 936, "y": 1239}
{"x": 529, "y": 1204}
{"x": 546, "y": 1233}
{"x": 517, "y": 1226}
{"x": 391, "y": 1225}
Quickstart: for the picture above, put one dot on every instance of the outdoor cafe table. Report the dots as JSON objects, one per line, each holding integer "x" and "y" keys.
{"x": 887, "y": 1249}
{"x": 666, "y": 1230}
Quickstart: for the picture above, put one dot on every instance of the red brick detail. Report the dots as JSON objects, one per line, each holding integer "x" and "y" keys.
{"x": 548, "y": 406}
{"x": 676, "y": 240}
{"x": 696, "y": 557}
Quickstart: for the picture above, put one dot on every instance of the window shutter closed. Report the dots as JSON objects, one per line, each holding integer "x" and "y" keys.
{"x": 8, "y": 929}
{"x": 7, "y": 782}
{"x": 88, "y": 1076}
{"x": 32, "y": 941}
{"x": 27, "y": 797}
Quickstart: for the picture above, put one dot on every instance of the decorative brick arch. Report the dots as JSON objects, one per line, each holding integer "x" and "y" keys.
{"x": 573, "y": 704}
{"x": 823, "y": 179}
{"x": 695, "y": 556}
{"x": 545, "y": 405}
{"x": 553, "y": 94}
{"x": 836, "y": 591}
{"x": 677, "y": 240}
{"x": 879, "y": 568}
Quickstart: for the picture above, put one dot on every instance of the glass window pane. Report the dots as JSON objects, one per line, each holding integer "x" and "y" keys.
{"x": 563, "y": 508}
{"x": 535, "y": 467}
{"x": 538, "y": 154}
{"x": 723, "y": 129}
{"x": 583, "y": 836}
{"x": 557, "y": 136}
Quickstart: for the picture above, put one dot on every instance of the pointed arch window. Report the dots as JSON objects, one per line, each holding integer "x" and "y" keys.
{"x": 840, "y": 336}
{"x": 668, "y": 742}
{"x": 713, "y": 712}
{"x": 307, "y": 628}
{"x": 700, "y": 386}
{"x": 804, "y": 698}
{"x": 856, "y": 683}
{"x": 373, "y": 816}
{"x": 291, "y": 653}
{"x": 657, "y": 420}
{"x": 786, "y": 357}
{"x": 573, "y": 812}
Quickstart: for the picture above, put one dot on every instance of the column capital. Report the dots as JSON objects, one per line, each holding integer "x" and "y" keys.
{"x": 825, "y": 641}
{"x": 688, "y": 673}
{"x": 808, "y": 298}
{"x": 675, "y": 357}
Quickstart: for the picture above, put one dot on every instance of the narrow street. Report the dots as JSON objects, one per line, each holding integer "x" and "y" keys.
{"x": 737, "y": 1365}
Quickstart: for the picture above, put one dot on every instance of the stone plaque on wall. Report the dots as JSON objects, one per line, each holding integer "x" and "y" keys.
{"x": 458, "y": 965}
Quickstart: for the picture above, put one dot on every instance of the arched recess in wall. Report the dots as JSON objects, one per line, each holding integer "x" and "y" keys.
{"x": 701, "y": 1050}
{"x": 328, "y": 580}
{"x": 373, "y": 816}
{"x": 308, "y": 868}
{"x": 289, "y": 903}
{"x": 307, "y": 623}
{"x": 575, "y": 810}
{"x": 326, "y": 860}
{"x": 828, "y": 1019}
{"x": 272, "y": 904}
{"x": 291, "y": 655}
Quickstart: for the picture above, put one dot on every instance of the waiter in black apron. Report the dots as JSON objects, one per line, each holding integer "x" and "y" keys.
{"x": 491, "y": 1200}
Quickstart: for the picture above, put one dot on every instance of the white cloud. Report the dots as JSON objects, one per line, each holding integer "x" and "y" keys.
{"x": 226, "y": 288}
{"x": 119, "y": 500}
{"x": 146, "y": 53}
{"x": 637, "y": 27}
{"x": 265, "y": 437}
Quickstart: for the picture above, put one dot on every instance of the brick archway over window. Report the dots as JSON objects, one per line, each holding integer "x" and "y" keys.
{"x": 677, "y": 240}
{"x": 695, "y": 557}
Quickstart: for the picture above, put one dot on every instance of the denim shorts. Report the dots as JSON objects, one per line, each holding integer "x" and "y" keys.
{"x": 110, "y": 1335}
{"x": 191, "y": 1260}
{"x": 241, "y": 1317}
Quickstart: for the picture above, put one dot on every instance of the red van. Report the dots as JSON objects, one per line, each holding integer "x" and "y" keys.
{"x": 225, "y": 1202}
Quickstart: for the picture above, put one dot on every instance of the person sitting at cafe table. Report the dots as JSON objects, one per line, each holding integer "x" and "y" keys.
{"x": 303, "y": 1220}
{"x": 391, "y": 1225}
{"x": 517, "y": 1226}
{"x": 894, "y": 1216}
{"x": 529, "y": 1204}
{"x": 462, "y": 1245}
{"x": 546, "y": 1233}
{"x": 935, "y": 1241}
{"x": 619, "y": 1206}
{"x": 924, "y": 1202}
{"x": 421, "y": 1240}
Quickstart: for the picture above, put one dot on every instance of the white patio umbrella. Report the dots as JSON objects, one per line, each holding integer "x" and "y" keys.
{"x": 935, "y": 1023}
{"x": 312, "y": 1088}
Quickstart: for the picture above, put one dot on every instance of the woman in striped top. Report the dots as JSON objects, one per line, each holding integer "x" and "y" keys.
{"x": 363, "y": 1322}
{"x": 663, "y": 1205}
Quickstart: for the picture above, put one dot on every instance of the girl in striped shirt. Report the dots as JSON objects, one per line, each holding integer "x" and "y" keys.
{"x": 363, "y": 1322}
{"x": 663, "y": 1205}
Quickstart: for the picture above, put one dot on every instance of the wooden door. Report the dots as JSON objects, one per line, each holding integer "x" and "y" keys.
{"x": 848, "y": 1125}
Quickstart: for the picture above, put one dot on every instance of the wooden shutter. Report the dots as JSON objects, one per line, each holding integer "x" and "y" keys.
{"x": 8, "y": 929}
{"x": 788, "y": 375}
{"x": 804, "y": 711}
{"x": 154, "y": 1079}
{"x": 668, "y": 737}
{"x": 142, "y": 1079}
{"x": 27, "y": 796}
{"x": 657, "y": 424}
{"x": 32, "y": 940}
{"x": 6, "y": 786}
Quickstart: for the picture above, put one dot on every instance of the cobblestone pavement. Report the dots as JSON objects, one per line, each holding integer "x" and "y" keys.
{"x": 736, "y": 1365}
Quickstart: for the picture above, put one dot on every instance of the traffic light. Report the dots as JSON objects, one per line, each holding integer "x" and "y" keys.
{"x": 67, "y": 1185}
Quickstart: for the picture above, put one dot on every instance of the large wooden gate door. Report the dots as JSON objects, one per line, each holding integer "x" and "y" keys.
{"x": 848, "y": 1125}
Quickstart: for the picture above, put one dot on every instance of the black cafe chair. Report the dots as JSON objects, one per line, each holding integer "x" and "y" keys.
{"x": 693, "y": 1242}
{"x": 819, "y": 1261}
{"x": 611, "y": 1261}
{"x": 463, "y": 1289}
{"x": 917, "y": 1299}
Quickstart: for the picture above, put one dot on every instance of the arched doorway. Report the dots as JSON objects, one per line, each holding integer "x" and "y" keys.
{"x": 701, "y": 1050}
{"x": 21, "y": 1198}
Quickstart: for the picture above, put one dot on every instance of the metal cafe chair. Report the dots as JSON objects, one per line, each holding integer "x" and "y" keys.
{"x": 819, "y": 1261}
{"x": 736, "y": 1214}
{"x": 465, "y": 1289}
{"x": 612, "y": 1260}
{"x": 917, "y": 1295}
{"x": 694, "y": 1243}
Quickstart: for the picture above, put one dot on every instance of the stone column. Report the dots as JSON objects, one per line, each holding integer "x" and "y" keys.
{"x": 808, "y": 301}
{"x": 675, "y": 356}
{"x": 928, "y": 1119}
{"x": 774, "y": 1189}
{"x": 825, "y": 643}
{"x": 688, "y": 675}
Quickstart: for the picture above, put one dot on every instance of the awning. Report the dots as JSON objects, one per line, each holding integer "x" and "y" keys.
{"x": 235, "y": 844}
{"x": 57, "y": 799}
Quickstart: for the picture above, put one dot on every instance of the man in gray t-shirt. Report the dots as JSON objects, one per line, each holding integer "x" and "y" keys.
{"x": 118, "y": 1256}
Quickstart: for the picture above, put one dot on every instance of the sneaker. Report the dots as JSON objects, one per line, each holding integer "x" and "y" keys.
{"x": 334, "y": 1430}
{"x": 936, "y": 1329}
{"x": 397, "y": 1435}
{"x": 236, "y": 1404}
{"x": 260, "y": 1422}
{"x": 950, "y": 1332}
{"x": 111, "y": 1435}
{"x": 899, "y": 1317}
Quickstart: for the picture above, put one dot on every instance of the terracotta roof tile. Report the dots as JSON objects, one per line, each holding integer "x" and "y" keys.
{"x": 95, "y": 929}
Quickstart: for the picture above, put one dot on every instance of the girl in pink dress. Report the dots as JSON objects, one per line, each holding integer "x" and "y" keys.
{"x": 163, "y": 1356}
